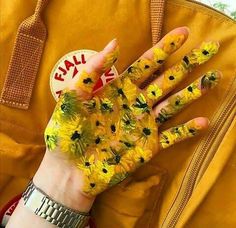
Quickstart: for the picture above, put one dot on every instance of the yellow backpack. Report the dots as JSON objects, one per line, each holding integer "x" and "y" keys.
{"x": 190, "y": 185}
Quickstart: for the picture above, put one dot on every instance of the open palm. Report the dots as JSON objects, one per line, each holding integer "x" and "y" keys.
{"x": 109, "y": 133}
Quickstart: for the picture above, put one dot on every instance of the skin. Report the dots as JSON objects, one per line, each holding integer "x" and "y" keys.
{"x": 95, "y": 139}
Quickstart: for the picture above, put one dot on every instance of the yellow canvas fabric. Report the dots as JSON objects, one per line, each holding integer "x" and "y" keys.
{"x": 145, "y": 199}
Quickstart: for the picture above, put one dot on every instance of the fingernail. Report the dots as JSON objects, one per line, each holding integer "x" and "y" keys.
{"x": 111, "y": 45}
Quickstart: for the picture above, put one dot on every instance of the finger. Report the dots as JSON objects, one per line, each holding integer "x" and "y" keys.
{"x": 177, "y": 102}
{"x": 94, "y": 68}
{"x": 152, "y": 59}
{"x": 182, "y": 132}
{"x": 173, "y": 76}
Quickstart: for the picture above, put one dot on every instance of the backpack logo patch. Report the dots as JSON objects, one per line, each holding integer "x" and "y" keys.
{"x": 69, "y": 66}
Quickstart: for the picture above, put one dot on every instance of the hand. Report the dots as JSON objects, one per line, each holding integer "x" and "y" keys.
{"x": 107, "y": 134}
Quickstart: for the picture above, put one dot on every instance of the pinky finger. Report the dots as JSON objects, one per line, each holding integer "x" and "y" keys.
{"x": 182, "y": 132}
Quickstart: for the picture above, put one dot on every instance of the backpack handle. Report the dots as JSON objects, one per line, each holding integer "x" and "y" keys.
{"x": 157, "y": 14}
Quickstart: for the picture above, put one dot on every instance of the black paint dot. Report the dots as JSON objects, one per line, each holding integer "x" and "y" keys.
{"x": 120, "y": 91}
{"x": 130, "y": 70}
{"x": 128, "y": 144}
{"x": 104, "y": 170}
{"x": 142, "y": 160}
{"x": 87, "y": 163}
{"x": 177, "y": 102}
{"x": 63, "y": 107}
{"x": 97, "y": 123}
{"x": 127, "y": 122}
{"x": 171, "y": 77}
{"x": 190, "y": 89}
{"x": 75, "y": 136}
{"x": 205, "y": 52}
{"x": 47, "y": 137}
{"x": 125, "y": 106}
{"x": 192, "y": 131}
{"x": 117, "y": 158}
{"x": 113, "y": 128}
{"x": 146, "y": 131}
{"x": 167, "y": 141}
{"x": 147, "y": 66}
{"x": 92, "y": 185}
{"x": 172, "y": 43}
{"x": 87, "y": 80}
{"x": 186, "y": 60}
{"x": 97, "y": 140}
{"x": 160, "y": 61}
{"x": 153, "y": 93}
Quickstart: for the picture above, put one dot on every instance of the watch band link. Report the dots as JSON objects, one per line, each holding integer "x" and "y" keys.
{"x": 52, "y": 211}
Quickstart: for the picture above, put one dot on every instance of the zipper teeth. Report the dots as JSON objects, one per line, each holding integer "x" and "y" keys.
{"x": 210, "y": 7}
{"x": 230, "y": 107}
{"x": 193, "y": 173}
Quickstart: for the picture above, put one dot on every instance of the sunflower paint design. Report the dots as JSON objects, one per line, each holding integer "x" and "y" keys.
{"x": 108, "y": 136}
{"x": 154, "y": 92}
{"x": 180, "y": 100}
{"x": 111, "y": 58}
{"x": 114, "y": 132}
{"x": 172, "y": 42}
{"x": 179, "y": 133}
{"x": 87, "y": 81}
{"x": 200, "y": 55}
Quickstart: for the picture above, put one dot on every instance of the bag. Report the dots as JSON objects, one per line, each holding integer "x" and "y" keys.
{"x": 189, "y": 185}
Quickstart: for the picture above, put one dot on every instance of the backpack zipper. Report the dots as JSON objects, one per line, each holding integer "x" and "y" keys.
{"x": 220, "y": 124}
{"x": 205, "y": 150}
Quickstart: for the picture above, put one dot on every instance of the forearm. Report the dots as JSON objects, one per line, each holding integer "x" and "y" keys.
{"x": 62, "y": 182}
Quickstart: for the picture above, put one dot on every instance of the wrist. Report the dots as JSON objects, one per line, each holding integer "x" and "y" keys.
{"x": 62, "y": 182}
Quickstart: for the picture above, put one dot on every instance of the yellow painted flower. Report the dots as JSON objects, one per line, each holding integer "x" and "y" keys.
{"x": 200, "y": 55}
{"x": 172, "y": 42}
{"x": 147, "y": 131}
{"x": 75, "y": 136}
{"x": 140, "y": 155}
{"x": 210, "y": 80}
{"x": 206, "y": 51}
{"x": 111, "y": 58}
{"x": 167, "y": 139}
{"x": 98, "y": 122}
{"x": 192, "y": 92}
{"x": 140, "y": 106}
{"x": 159, "y": 56}
{"x": 140, "y": 68}
{"x": 106, "y": 105}
{"x": 86, "y": 81}
{"x": 154, "y": 91}
{"x": 86, "y": 163}
{"x": 104, "y": 153}
{"x": 104, "y": 171}
{"x": 129, "y": 89}
{"x": 67, "y": 106}
{"x": 124, "y": 165}
{"x": 50, "y": 136}
{"x": 93, "y": 184}
{"x": 128, "y": 123}
{"x": 172, "y": 76}
{"x": 176, "y": 103}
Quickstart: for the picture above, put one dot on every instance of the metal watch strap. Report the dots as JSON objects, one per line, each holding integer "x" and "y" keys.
{"x": 52, "y": 211}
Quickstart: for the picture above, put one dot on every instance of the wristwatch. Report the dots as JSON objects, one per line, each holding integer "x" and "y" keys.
{"x": 45, "y": 207}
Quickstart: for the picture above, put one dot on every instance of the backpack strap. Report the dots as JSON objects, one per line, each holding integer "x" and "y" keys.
{"x": 25, "y": 60}
{"x": 157, "y": 13}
